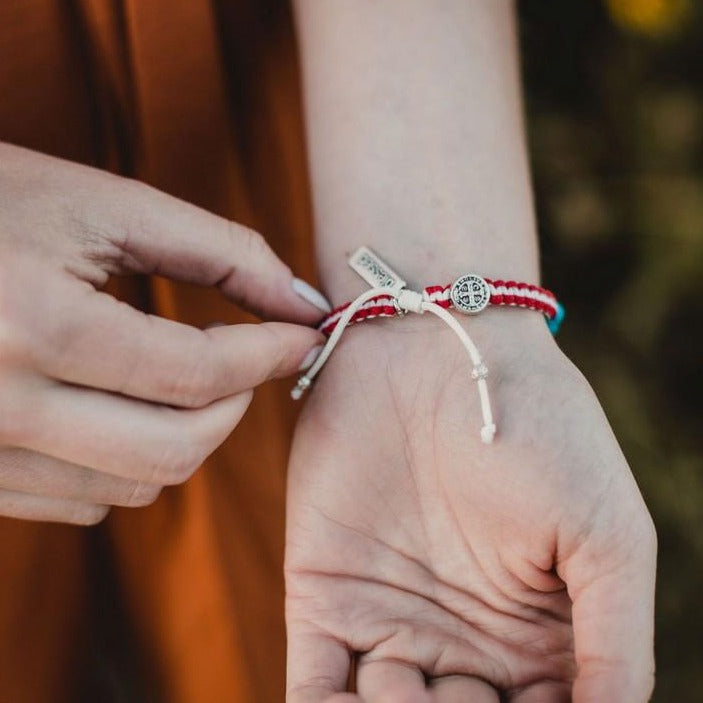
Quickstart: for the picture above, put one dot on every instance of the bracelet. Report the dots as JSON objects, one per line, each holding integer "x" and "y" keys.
{"x": 470, "y": 294}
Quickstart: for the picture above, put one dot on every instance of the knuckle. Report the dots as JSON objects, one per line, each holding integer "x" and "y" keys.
{"x": 251, "y": 250}
{"x": 253, "y": 257}
{"x": 252, "y": 242}
{"x": 115, "y": 241}
{"x": 92, "y": 238}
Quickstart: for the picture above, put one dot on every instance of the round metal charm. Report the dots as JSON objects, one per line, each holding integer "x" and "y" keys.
{"x": 470, "y": 294}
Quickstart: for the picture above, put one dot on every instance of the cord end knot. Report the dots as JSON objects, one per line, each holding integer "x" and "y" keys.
{"x": 488, "y": 432}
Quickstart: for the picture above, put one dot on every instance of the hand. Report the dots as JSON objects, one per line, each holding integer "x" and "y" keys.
{"x": 101, "y": 404}
{"x": 451, "y": 570}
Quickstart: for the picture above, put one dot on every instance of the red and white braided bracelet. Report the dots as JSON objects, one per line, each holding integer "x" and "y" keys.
{"x": 470, "y": 294}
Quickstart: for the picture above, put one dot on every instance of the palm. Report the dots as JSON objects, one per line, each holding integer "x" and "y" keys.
{"x": 434, "y": 558}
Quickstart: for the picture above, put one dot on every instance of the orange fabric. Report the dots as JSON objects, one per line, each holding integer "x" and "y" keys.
{"x": 181, "y": 601}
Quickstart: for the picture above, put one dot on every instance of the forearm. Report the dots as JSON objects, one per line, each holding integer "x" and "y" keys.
{"x": 415, "y": 138}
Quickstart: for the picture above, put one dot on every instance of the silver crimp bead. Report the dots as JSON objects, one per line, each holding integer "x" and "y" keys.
{"x": 479, "y": 371}
{"x": 399, "y": 311}
{"x": 300, "y": 387}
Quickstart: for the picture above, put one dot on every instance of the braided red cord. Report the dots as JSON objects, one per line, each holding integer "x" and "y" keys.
{"x": 513, "y": 293}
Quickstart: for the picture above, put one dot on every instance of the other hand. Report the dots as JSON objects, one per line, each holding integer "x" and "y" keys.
{"x": 101, "y": 404}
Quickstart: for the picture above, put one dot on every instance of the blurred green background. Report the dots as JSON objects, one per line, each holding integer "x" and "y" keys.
{"x": 614, "y": 92}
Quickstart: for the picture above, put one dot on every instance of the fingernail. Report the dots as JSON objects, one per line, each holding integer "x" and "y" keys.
{"x": 311, "y": 295}
{"x": 310, "y": 357}
{"x": 210, "y": 325}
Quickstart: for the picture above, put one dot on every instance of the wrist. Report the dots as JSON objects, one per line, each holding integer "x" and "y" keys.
{"x": 388, "y": 296}
{"x": 435, "y": 263}
{"x": 508, "y": 338}
{"x": 504, "y": 334}
{"x": 469, "y": 295}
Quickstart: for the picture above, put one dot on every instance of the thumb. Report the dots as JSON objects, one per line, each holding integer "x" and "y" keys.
{"x": 163, "y": 235}
{"x": 611, "y": 583}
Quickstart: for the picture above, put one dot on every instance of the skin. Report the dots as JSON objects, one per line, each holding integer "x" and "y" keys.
{"x": 445, "y": 569}
{"x": 453, "y": 570}
{"x": 442, "y": 568}
{"x": 101, "y": 404}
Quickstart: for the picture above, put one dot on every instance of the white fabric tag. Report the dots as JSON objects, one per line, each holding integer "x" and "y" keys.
{"x": 376, "y": 272}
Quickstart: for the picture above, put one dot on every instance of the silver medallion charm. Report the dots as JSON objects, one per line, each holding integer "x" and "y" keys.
{"x": 470, "y": 294}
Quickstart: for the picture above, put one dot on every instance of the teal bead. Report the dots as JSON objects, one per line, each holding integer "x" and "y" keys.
{"x": 555, "y": 323}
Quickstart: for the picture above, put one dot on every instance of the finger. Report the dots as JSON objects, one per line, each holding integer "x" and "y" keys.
{"x": 384, "y": 681}
{"x": 26, "y": 471}
{"x": 318, "y": 667}
{"x": 121, "y": 436}
{"x": 543, "y": 692}
{"x": 32, "y": 507}
{"x": 152, "y": 232}
{"x": 100, "y": 342}
{"x": 611, "y": 582}
{"x": 459, "y": 689}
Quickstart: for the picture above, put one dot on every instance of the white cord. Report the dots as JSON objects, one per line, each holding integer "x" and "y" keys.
{"x": 479, "y": 371}
{"x": 408, "y": 301}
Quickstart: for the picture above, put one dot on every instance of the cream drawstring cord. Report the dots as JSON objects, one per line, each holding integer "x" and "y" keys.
{"x": 408, "y": 301}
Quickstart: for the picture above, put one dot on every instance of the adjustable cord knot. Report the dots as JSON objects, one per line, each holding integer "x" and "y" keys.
{"x": 410, "y": 301}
